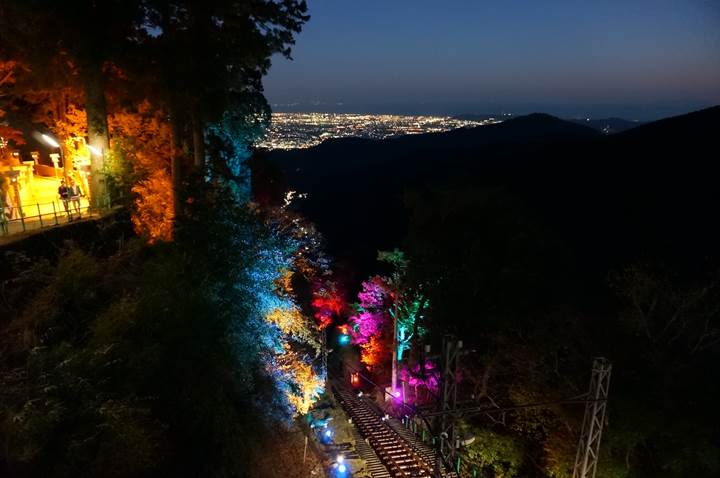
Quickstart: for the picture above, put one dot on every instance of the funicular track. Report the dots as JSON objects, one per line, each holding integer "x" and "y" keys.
{"x": 395, "y": 453}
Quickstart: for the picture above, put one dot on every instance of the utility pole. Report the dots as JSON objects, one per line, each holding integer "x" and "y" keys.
{"x": 324, "y": 352}
{"x": 588, "y": 450}
{"x": 448, "y": 445}
{"x": 394, "y": 376}
{"x": 395, "y": 312}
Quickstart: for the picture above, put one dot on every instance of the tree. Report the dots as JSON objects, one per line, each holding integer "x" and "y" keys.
{"x": 7, "y": 133}
{"x": 675, "y": 321}
{"x": 75, "y": 40}
{"x": 216, "y": 99}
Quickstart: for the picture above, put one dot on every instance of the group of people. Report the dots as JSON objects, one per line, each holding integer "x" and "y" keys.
{"x": 70, "y": 193}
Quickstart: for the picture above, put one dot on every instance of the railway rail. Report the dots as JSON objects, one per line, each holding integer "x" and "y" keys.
{"x": 399, "y": 458}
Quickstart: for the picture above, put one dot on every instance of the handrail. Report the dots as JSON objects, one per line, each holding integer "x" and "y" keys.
{"x": 38, "y": 215}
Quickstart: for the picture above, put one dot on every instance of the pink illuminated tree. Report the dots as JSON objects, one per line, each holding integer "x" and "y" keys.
{"x": 372, "y": 311}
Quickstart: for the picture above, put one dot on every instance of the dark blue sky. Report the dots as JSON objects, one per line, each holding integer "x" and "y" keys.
{"x": 638, "y": 59}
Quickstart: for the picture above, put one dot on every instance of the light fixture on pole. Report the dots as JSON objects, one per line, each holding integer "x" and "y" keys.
{"x": 52, "y": 142}
{"x": 94, "y": 150}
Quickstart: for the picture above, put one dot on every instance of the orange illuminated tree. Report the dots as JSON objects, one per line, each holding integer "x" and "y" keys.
{"x": 140, "y": 165}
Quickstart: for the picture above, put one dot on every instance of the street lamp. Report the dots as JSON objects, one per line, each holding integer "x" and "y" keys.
{"x": 52, "y": 142}
{"x": 94, "y": 150}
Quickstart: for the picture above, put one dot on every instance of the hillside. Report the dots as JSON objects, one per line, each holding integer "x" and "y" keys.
{"x": 644, "y": 192}
{"x": 608, "y": 125}
{"x": 355, "y": 186}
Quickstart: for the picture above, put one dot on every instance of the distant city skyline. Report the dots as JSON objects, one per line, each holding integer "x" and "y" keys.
{"x": 638, "y": 59}
{"x": 303, "y": 130}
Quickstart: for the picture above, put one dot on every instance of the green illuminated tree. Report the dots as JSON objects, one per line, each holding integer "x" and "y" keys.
{"x": 409, "y": 304}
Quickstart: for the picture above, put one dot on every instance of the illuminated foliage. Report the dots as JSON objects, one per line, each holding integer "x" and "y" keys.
{"x": 176, "y": 357}
{"x": 303, "y": 385}
{"x": 153, "y": 212}
{"x": 284, "y": 282}
{"x": 326, "y": 303}
{"x": 417, "y": 376}
{"x": 409, "y": 312}
{"x": 372, "y": 316}
{"x": 383, "y": 300}
{"x": 143, "y": 140}
{"x": 71, "y": 128}
{"x": 374, "y": 352}
{"x": 229, "y": 146}
{"x": 293, "y": 324}
{"x": 290, "y": 338}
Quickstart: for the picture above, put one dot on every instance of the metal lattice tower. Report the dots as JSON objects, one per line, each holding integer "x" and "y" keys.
{"x": 588, "y": 450}
{"x": 448, "y": 400}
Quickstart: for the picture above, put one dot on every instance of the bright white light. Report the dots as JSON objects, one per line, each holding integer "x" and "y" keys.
{"x": 342, "y": 468}
{"x": 328, "y": 433}
{"x": 94, "y": 150}
{"x": 50, "y": 140}
{"x": 340, "y": 458}
{"x": 397, "y": 394}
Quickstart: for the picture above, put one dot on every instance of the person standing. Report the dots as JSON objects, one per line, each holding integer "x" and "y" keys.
{"x": 75, "y": 193}
{"x": 3, "y": 218}
{"x": 64, "y": 193}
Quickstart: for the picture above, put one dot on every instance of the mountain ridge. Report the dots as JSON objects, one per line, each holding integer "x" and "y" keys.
{"x": 633, "y": 194}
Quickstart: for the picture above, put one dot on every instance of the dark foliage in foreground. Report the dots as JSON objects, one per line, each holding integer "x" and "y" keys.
{"x": 143, "y": 362}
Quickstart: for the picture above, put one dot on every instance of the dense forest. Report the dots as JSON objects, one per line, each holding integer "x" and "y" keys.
{"x": 166, "y": 337}
{"x": 182, "y": 331}
{"x": 542, "y": 244}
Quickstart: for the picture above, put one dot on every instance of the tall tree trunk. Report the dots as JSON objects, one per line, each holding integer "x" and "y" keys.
{"x": 178, "y": 162}
{"x": 198, "y": 128}
{"x": 97, "y": 127}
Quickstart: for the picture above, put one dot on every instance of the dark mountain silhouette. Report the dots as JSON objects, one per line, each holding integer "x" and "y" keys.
{"x": 479, "y": 117}
{"x": 355, "y": 185}
{"x": 649, "y": 192}
{"x": 604, "y": 125}
{"x": 608, "y": 125}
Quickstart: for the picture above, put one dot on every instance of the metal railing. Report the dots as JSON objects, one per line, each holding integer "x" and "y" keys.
{"x": 31, "y": 216}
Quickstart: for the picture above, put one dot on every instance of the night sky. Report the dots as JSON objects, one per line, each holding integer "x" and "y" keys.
{"x": 639, "y": 59}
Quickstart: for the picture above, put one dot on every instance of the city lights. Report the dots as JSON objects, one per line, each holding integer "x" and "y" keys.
{"x": 303, "y": 130}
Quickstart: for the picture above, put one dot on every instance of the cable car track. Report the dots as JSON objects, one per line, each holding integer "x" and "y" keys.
{"x": 397, "y": 455}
